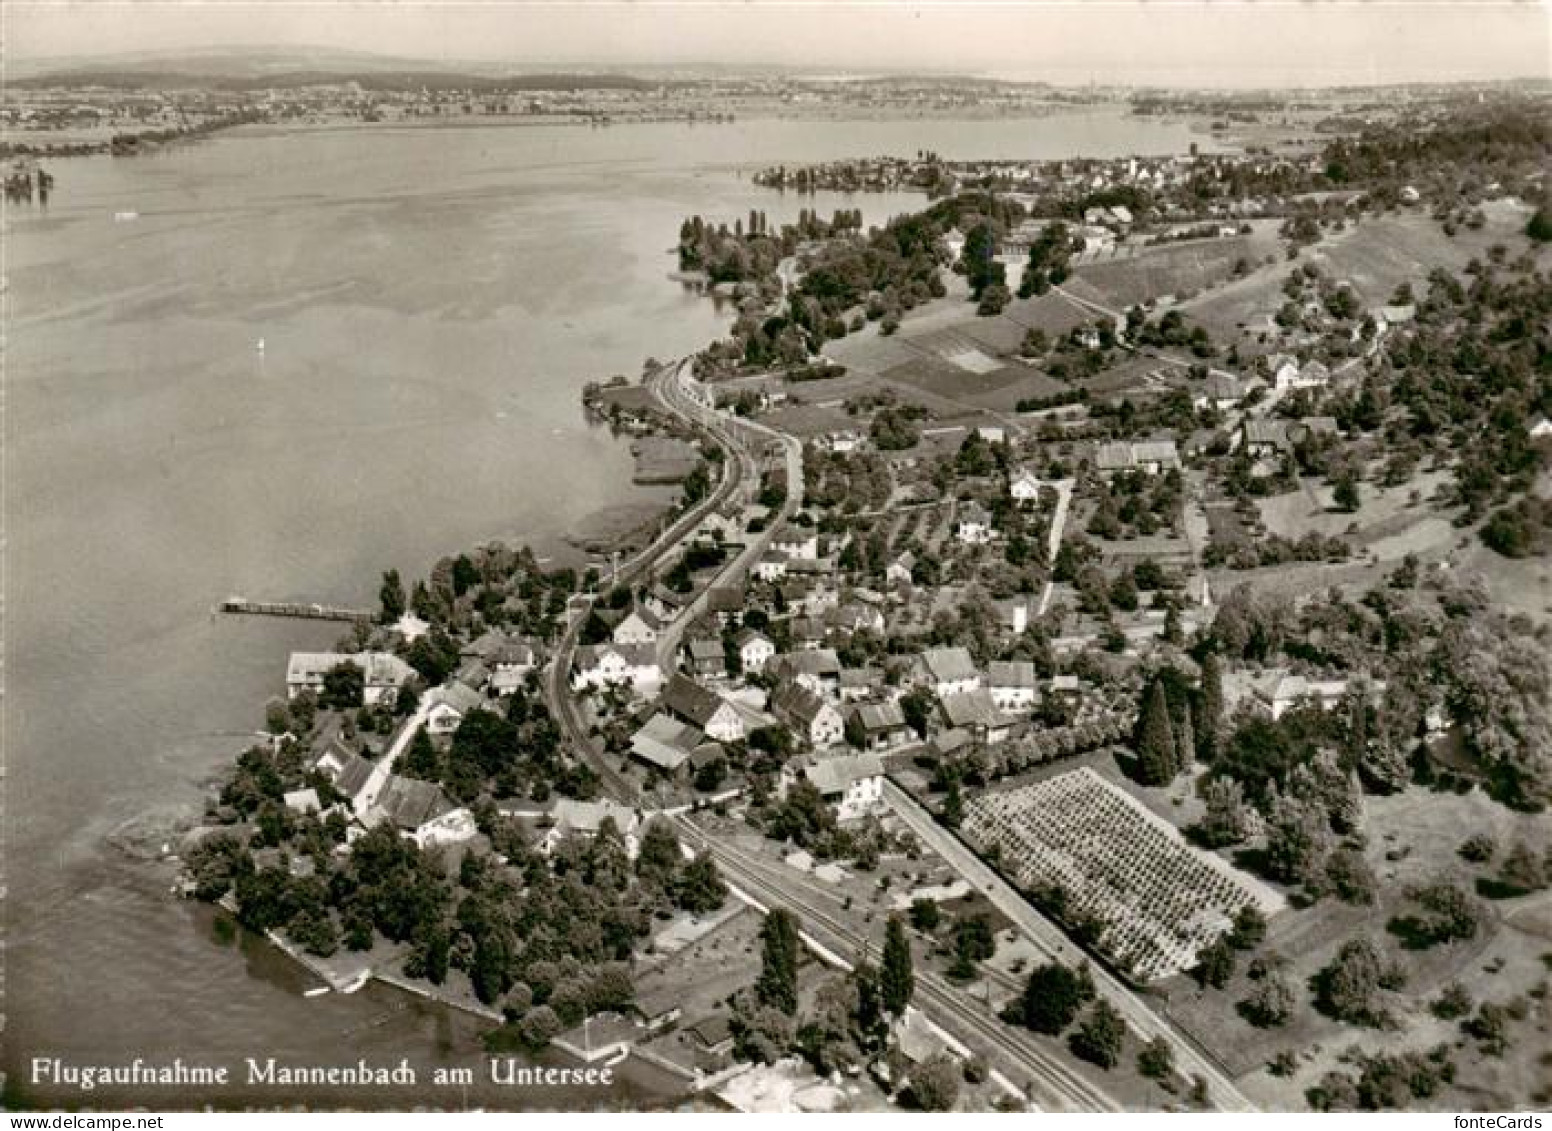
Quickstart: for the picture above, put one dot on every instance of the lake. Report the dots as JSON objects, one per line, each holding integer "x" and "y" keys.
{"x": 430, "y": 302}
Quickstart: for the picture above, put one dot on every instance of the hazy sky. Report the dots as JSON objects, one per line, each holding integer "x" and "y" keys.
{"x": 1238, "y": 43}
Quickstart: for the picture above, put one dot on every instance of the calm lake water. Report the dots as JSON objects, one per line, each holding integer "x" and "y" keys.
{"x": 430, "y": 301}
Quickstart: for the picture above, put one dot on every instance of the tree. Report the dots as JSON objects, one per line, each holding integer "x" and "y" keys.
{"x": 1298, "y": 841}
{"x": 1345, "y": 492}
{"x": 1539, "y": 227}
{"x": 1215, "y": 964}
{"x": 391, "y": 595}
{"x": 1349, "y": 987}
{"x": 1209, "y": 710}
{"x": 1155, "y": 739}
{"x": 1227, "y": 819}
{"x": 925, "y": 914}
{"x": 343, "y": 687}
{"x": 1100, "y": 1037}
{"x": 1156, "y": 1059}
{"x": 659, "y": 858}
{"x": 973, "y": 942}
{"x": 778, "y": 983}
{"x": 896, "y": 979}
{"x": 1249, "y": 928}
{"x": 701, "y": 888}
{"x": 953, "y": 804}
{"x": 1052, "y": 997}
{"x": 935, "y": 1083}
{"x": 1270, "y": 1004}
{"x": 421, "y": 759}
{"x": 1450, "y": 915}
{"x": 994, "y": 299}
{"x": 539, "y": 1027}
{"x": 1350, "y": 877}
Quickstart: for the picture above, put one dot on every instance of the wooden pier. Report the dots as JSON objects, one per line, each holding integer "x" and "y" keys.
{"x": 243, "y": 606}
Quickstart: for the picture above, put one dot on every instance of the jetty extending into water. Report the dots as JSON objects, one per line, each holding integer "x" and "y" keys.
{"x": 242, "y": 605}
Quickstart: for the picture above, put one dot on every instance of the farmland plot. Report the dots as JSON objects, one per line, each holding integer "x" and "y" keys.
{"x": 1158, "y": 900}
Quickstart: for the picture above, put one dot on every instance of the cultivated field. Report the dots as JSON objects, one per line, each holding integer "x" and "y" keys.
{"x": 1158, "y": 899}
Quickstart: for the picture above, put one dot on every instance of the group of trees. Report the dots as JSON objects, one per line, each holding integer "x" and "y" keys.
{"x": 847, "y": 1022}
{"x": 502, "y": 753}
{"x": 1048, "y": 257}
{"x": 1179, "y": 722}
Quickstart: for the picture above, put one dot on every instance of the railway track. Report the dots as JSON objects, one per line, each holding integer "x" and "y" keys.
{"x": 1054, "y": 1085}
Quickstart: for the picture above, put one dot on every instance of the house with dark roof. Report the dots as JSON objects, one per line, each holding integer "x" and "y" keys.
{"x": 348, "y": 772}
{"x": 810, "y": 716}
{"x": 1011, "y": 684}
{"x": 818, "y": 669}
{"x": 857, "y": 684}
{"x": 976, "y": 713}
{"x": 1265, "y": 437}
{"x": 639, "y": 626}
{"x": 699, "y": 706}
{"x": 726, "y": 603}
{"x": 707, "y": 659}
{"x": 880, "y": 726}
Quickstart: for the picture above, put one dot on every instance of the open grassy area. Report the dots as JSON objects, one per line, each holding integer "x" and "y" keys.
{"x": 1389, "y": 522}
{"x": 1412, "y": 838}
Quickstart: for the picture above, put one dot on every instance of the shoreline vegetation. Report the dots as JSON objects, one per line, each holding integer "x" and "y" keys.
{"x": 538, "y": 909}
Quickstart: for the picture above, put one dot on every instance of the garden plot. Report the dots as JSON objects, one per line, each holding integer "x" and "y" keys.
{"x": 1158, "y": 900}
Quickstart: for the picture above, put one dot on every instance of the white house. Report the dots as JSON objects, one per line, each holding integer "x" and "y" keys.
{"x": 1149, "y": 457}
{"x": 1288, "y": 375}
{"x": 585, "y": 818}
{"x": 509, "y": 666}
{"x": 898, "y": 572}
{"x": 771, "y": 567}
{"x": 947, "y": 671}
{"x": 754, "y": 650}
{"x": 1012, "y": 684}
{"x": 383, "y": 673}
{"x": 1540, "y": 427}
{"x": 855, "y": 783}
{"x": 842, "y": 443}
{"x": 796, "y": 542}
{"x": 448, "y": 705}
{"x": 973, "y": 526}
{"x": 715, "y": 716}
{"x": 617, "y": 665}
{"x": 638, "y": 627}
{"x": 810, "y": 716}
{"x": 1024, "y": 486}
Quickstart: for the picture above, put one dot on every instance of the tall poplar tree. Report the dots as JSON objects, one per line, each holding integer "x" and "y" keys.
{"x": 778, "y": 983}
{"x": 1155, "y": 738}
{"x": 896, "y": 979}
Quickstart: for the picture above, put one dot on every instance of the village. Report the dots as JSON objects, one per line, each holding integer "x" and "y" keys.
{"x": 1076, "y": 664}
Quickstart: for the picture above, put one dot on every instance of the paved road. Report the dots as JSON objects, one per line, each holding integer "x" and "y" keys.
{"x": 384, "y": 765}
{"x": 1224, "y": 1094}
{"x": 671, "y": 385}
